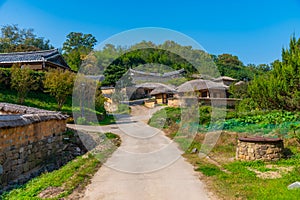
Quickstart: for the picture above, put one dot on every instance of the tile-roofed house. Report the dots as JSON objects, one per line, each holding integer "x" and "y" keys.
{"x": 36, "y": 60}
{"x": 138, "y": 76}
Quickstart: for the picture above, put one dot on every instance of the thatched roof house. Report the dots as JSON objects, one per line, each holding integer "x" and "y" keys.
{"x": 163, "y": 90}
{"x": 206, "y": 88}
{"x": 36, "y": 60}
{"x": 162, "y": 93}
{"x": 200, "y": 84}
{"x": 225, "y": 79}
{"x": 149, "y": 87}
{"x": 240, "y": 83}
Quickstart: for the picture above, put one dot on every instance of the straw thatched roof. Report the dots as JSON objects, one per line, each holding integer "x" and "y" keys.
{"x": 240, "y": 83}
{"x": 200, "y": 84}
{"x": 224, "y": 78}
{"x": 163, "y": 90}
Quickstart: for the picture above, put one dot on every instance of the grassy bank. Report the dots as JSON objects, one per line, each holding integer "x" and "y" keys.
{"x": 35, "y": 99}
{"x": 232, "y": 179}
{"x": 61, "y": 183}
{"x": 38, "y": 99}
{"x": 227, "y": 177}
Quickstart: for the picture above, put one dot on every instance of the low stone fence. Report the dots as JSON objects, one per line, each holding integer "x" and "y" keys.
{"x": 29, "y": 140}
{"x": 259, "y": 148}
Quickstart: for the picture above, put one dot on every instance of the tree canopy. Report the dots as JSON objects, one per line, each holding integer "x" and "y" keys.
{"x": 280, "y": 87}
{"x": 230, "y": 65}
{"x": 76, "y": 47}
{"x": 15, "y": 39}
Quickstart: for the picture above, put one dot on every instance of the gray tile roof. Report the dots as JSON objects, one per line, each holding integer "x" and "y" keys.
{"x": 52, "y": 56}
{"x": 167, "y": 74}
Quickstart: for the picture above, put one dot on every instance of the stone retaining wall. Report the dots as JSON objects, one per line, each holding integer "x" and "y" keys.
{"x": 249, "y": 149}
{"x": 30, "y": 139}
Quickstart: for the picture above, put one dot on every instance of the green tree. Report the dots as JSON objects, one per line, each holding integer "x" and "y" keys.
{"x": 22, "y": 80}
{"x": 77, "y": 47}
{"x": 59, "y": 83}
{"x": 14, "y": 39}
{"x": 230, "y": 65}
{"x": 280, "y": 88}
{"x": 239, "y": 91}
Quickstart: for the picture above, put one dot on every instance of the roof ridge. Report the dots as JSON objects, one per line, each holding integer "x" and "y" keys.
{"x": 30, "y": 52}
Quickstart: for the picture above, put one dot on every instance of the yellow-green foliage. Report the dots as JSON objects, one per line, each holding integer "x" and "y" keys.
{"x": 59, "y": 83}
{"x": 22, "y": 80}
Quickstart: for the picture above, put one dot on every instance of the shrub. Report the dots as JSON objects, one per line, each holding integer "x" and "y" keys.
{"x": 59, "y": 84}
{"x": 81, "y": 121}
{"x": 22, "y": 80}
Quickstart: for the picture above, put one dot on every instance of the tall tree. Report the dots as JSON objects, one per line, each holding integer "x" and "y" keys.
{"x": 14, "y": 39}
{"x": 77, "y": 47}
{"x": 280, "y": 88}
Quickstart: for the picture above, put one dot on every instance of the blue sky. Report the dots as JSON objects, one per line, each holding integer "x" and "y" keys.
{"x": 254, "y": 30}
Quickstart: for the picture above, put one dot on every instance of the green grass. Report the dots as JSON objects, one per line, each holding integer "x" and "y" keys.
{"x": 35, "y": 99}
{"x": 109, "y": 119}
{"x": 208, "y": 169}
{"x": 231, "y": 179}
{"x": 246, "y": 185}
{"x": 123, "y": 109}
{"x": 69, "y": 177}
{"x": 110, "y": 135}
{"x": 239, "y": 182}
{"x": 45, "y": 101}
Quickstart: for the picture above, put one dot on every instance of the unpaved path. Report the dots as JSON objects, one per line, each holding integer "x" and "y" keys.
{"x": 147, "y": 166}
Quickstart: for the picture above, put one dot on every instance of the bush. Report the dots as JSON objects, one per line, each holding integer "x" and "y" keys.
{"x": 22, "y": 80}
{"x": 59, "y": 84}
{"x": 81, "y": 121}
{"x": 5, "y": 78}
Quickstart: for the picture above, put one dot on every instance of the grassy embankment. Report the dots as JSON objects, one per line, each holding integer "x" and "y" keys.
{"x": 74, "y": 176}
{"x": 231, "y": 179}
{"x": 43, "y": 100}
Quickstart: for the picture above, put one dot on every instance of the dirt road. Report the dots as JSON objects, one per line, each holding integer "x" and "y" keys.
{"x": 147, "y": 166}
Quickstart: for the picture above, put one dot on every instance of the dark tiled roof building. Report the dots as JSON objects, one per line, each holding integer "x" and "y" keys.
{"x": 36, "y": 60}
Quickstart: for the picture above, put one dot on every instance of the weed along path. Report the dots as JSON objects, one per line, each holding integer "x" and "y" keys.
{"x": 147, "y": 165}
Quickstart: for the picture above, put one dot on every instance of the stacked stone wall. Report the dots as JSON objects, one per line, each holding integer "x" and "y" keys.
{"x": 259, "y": 150}
{"x": 25, "y": 150}
{"x": 29, "y": 143}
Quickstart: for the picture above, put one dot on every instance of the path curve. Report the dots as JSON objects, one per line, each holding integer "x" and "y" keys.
{"x": 147, "y": 165}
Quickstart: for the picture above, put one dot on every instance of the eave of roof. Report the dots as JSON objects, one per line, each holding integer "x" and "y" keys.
{"x": 34, "y": 56}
